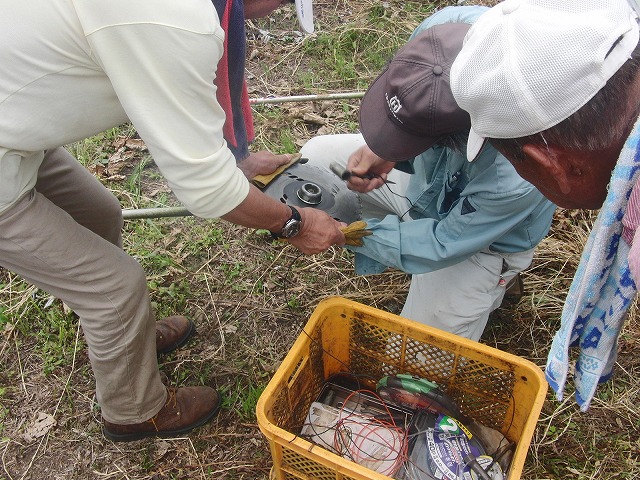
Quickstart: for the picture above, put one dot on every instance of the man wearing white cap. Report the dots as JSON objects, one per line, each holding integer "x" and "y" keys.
{"x": 463, "y": 231}
{"x": 555, "y": 86}
{"x": 72, "y": 69}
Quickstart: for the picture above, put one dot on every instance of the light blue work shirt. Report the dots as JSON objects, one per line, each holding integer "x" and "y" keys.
{"x": 459, "y": 207}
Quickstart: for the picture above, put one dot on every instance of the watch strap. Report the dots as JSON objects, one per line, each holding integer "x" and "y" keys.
{"x": 295, "y": 216}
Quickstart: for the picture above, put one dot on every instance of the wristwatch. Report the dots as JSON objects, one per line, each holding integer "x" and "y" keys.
{"x": 291, "y": 227}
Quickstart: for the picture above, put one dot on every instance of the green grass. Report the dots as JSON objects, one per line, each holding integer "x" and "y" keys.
{"x": 96, "y": 150}
{"x": 242, "y": 397}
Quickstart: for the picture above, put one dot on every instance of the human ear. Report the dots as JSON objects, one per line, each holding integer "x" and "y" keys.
{"x": 551, "y": 161}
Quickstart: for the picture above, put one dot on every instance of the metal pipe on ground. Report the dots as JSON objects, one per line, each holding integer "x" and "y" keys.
{"x": 307, "y": 98}
{"x": 167, "y": 212}
{"x": 160, "y": 212}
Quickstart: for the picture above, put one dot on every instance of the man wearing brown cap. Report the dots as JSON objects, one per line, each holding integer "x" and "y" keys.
{"x": 463, "y": 230}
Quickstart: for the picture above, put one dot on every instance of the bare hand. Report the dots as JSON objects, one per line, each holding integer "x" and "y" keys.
{"x": 261, "y": 8}
{"x": 362, "y": 162}
{"x": 319, "y": 232}
{"x": 263, "y": 163}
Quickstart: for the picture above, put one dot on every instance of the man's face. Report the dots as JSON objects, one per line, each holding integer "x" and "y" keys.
{"x": 262, "y": 8}
{"x": 573, "y": 180}
{"x": 539, "y": 178}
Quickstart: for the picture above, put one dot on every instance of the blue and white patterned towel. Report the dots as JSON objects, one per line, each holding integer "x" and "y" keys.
{"x": 601, "y": 292}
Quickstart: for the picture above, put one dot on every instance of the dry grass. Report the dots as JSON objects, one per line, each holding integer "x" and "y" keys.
{"x": 601, "y": 443}
{"x": 250, "y": 299}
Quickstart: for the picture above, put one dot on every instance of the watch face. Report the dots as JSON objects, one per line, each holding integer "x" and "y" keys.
{"x": 291, "y": 228}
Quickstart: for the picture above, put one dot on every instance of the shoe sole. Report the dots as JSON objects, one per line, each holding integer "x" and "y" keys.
{"x": 130, "y": 437}
{"x": 187, "y": 336}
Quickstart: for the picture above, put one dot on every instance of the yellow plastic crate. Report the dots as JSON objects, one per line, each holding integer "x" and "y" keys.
{"x": 497, "y": 389}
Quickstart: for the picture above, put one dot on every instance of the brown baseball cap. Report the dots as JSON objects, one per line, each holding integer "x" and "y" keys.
{"x": 410, "y": 105}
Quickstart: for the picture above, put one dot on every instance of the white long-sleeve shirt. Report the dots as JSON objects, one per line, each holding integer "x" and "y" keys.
{"x": 74, "y": 68}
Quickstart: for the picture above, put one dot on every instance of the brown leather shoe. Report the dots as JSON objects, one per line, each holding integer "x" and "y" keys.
{"x": 172, "y": 333}
{"x": 185, "y": 409}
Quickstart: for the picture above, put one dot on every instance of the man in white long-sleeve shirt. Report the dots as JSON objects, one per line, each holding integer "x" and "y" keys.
{"x": 71, "y": 69}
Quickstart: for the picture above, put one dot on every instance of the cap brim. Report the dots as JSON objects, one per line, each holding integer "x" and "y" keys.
{"x": 304, "y": 11}
{"x": 474, "y": 145}
{"x": 381, "y": 134}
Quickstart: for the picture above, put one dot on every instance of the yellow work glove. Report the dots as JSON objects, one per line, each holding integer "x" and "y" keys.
{"x": 354, "y": 233}
{"x": 261, "y": 181}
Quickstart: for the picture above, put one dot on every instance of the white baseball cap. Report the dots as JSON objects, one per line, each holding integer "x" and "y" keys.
{"x": 304, "y": 10}
{"x": 527, "y": 65}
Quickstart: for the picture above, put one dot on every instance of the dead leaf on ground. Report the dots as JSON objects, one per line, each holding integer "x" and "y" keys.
{"x": 135, "y": 144}
{"x": 230, "y": 329}
{"x": 154, "y": 193}
{"x": 119, "y": 142}
{"x": 8, "y": 328}
{"x": 162, "y": 447}
{"x": 299, "y": 112}
{"x": 97, "y": 169}
{"x": 119, "y": 161}
{"x": 116, "y": 178}
{"x": 40, "y": 427}
{"x": 314, "y": 118}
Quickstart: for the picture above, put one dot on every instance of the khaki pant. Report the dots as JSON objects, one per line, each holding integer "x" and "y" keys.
{"x": 457, "y": 299}
{"x": 65, "y": 238}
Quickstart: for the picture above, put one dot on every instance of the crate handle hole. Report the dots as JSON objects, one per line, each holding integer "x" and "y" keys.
{"x": 300, "y": 367}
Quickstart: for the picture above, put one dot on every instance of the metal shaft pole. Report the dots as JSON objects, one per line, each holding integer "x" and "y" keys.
{"x": 162, "y": 212}
{"x": 307, "y": 98}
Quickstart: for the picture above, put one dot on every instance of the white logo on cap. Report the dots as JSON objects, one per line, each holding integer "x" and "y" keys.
{"x": 393, "y": 103}
{"x": 394, "y": 106}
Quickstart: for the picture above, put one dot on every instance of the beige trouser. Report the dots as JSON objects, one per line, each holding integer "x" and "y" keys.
{"x": 64, "y": 237}
{"x": 457, "y": 299}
